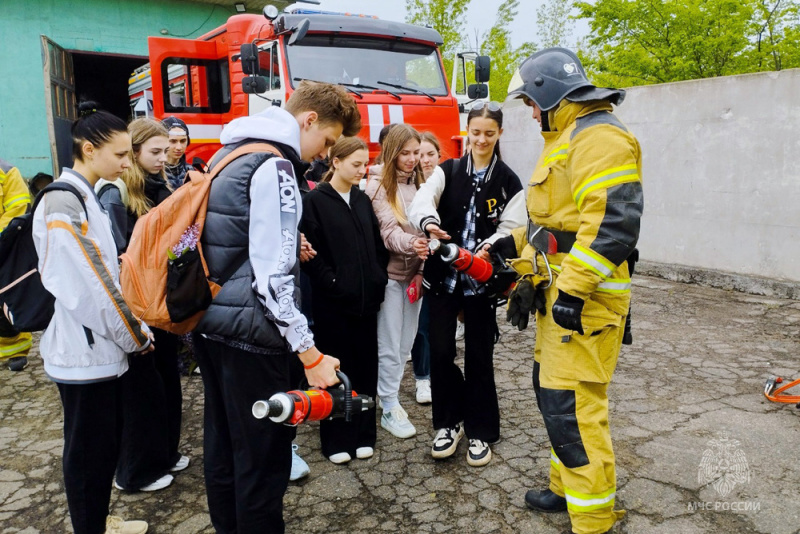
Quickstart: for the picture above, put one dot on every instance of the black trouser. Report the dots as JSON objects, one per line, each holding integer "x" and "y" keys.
{"x": 247, "y": 460}
{"x": 92, "y": 427}
{"x": 166, "y": 359}
{"x": 470, "y": 397}
{"x": 149, "y": 441}
{"x": 353, "y": 339}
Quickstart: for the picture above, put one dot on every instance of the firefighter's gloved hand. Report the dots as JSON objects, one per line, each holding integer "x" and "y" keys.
{"x": 567, "y": 312}
{"x": 505, "y": 248}
{"x": 520, "y": 303}
{"x": 539, "y": 300}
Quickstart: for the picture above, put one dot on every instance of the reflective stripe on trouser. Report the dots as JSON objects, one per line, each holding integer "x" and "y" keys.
{"x": 11, "y": 347}
{"x": 571, "y": 378}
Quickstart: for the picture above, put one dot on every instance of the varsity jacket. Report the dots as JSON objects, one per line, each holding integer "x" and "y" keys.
{"x": 445, "y": 197}
{"x": 92, "y": 329}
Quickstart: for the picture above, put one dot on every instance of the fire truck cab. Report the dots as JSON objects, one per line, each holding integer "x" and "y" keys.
{"x": 393, "y": 70}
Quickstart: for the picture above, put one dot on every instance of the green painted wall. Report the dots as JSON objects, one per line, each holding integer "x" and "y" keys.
{"x": 108, "y": 26}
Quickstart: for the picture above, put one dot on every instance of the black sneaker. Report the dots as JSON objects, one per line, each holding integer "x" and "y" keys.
{"x": 18, "y": 363}
{"x": 478, "y": 453}
{"x": 446, "y": 441}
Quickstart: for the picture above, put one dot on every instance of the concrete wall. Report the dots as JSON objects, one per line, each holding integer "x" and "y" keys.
{"x": 721, "y": 171}
{"x": 106, "y": 26}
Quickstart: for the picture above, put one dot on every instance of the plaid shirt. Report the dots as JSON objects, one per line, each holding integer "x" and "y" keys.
{"x": 468, "y": 240}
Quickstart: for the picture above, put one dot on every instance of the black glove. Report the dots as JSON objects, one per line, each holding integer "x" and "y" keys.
{"x": 567, "y": 312}
{"x": 520, "y": 303}
{"x": 505, "y": 248}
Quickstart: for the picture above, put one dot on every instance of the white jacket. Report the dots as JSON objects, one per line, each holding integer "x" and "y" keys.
{"x": 92, "y": 329}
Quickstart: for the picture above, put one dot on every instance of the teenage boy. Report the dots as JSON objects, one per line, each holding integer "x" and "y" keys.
{"x": 176, "y": 167}
{"x": 254, "y": 327}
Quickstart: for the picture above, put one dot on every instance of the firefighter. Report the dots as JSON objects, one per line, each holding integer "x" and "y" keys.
{"x": 15, "y": 200}
{"x": 585, "y": 199}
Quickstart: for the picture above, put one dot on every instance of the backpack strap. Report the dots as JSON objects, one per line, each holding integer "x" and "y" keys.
{"x": 454, "y": 169}
{"x": 249, "y": 148}
{"x": 60, "y": 185}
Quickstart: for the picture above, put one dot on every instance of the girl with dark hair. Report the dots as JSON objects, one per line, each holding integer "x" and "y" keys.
{"x": 472, "y": 202}
{"x": 152, "y": 387}
{"x": 86, "y": 345}
{"x": 400, "y": 179}
{"x": 348, "y": 277}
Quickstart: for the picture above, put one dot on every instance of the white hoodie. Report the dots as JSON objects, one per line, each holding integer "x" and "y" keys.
{"x": 273, "y": 230}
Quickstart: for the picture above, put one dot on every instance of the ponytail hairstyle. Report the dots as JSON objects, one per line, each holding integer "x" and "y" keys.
{"x": 395, "y": 140}
{"x": 95, "y": 126}
{"x": 141, "y": 130}
{"x": 343, "y": 148}
{"x": 496, "y": 115}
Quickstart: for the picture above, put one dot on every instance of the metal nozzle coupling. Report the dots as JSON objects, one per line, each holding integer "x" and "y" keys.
{"x": 433, "y": 245}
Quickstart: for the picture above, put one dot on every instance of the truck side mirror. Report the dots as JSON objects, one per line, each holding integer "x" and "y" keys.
{"x": 299, "y": 31}
{"x": 249, "y": 57}
{"x": 482, "y": 69}
{"x": 477, "y": 91}
{"x": 254, "y": 84}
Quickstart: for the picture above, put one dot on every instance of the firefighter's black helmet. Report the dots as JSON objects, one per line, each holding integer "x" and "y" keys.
{"x": 552, "y": 74}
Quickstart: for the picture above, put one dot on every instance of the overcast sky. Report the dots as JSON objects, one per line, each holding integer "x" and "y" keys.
{"x": 481, "y": 15}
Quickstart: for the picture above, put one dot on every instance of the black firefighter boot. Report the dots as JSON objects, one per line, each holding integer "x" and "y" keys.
{"x": 545, "y": 501}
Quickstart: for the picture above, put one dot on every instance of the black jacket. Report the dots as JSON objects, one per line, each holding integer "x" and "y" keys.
{"x": 122, "y": 219}
{"x": 349, "y": 270}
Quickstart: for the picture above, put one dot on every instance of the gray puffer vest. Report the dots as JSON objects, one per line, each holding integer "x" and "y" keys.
{"x": 236, "y": 316}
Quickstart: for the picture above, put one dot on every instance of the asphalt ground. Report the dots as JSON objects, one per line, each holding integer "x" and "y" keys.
{"x": 690, "y": 387}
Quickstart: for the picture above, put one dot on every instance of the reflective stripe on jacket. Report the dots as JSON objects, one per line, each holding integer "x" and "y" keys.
{"x": 588, "y": 181}
{"x": 14, "y": 195}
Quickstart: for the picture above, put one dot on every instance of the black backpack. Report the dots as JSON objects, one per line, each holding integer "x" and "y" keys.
{"x": 25, "y": 304}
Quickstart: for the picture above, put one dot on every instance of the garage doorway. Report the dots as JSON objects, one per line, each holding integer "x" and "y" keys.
{"x": 104, "y": 79}
{"x": 71, "y": 76}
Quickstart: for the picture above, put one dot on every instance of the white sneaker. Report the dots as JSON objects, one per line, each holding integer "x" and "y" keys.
{"x": 116, "y": 525}
{"x": 478, "y": 453}
{"x": 364, "y": 452}
{"x": 446, "y": 441}
{"x": 424, "y": 391}
{"x": 299, "y": 466}
{"x": 460, "y": 330}
{"x": 397, "y": 423}
{"x": 161, "y": 483}
{"x": 180, "y": 465}
{"x": 340, "y": 458}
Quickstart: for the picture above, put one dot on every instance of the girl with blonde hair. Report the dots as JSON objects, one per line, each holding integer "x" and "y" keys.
{"x": 400, "y": 179}
{"x": 152, "y": 397}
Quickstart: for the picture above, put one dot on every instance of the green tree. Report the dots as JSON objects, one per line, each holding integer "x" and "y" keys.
{"x": 637, "y": 42}
{"x": 448, "y": 17}
{"x": 555, "y": 22}
{"x": 497, "y": 45}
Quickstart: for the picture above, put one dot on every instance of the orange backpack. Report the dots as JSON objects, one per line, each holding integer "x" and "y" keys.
{"x": 145, "y": 265}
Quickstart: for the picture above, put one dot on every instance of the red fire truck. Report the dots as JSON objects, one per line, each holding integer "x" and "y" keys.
{"x": 393, "y": 70}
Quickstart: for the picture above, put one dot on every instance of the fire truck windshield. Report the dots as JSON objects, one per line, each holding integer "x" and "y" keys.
{"x": 397, "y": 66}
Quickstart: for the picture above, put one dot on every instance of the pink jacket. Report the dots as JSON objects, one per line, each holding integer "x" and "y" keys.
{"x": 403, "y": 261}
